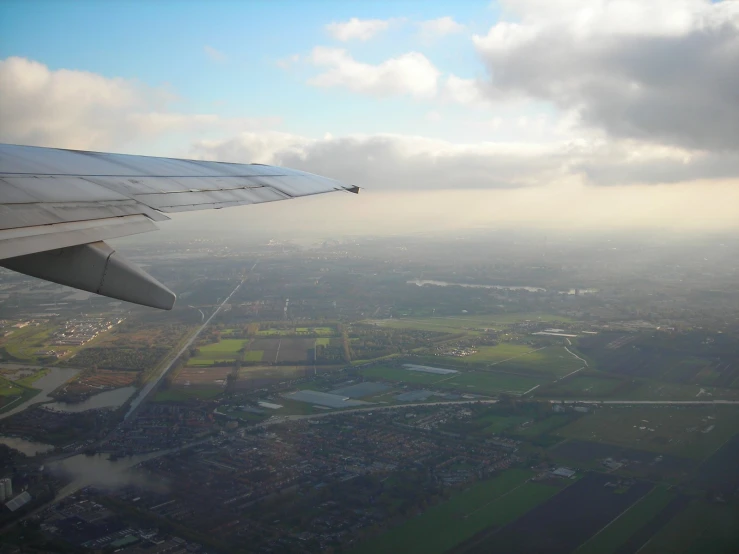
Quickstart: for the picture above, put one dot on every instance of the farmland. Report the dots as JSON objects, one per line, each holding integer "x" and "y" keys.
{"x": 700, "y": 527}
{"x": 523, "y": 359}
{"x": 566, "y": 520}
{"x": 224, "y": 351}
{"x": 488, "y": 382}
{"x": 683, "y": 360}
{"x": 497, "y": 424}
{"x": 658, "y": 390}
{"x": 639, "y": 463}
{"x": 9, "y": 388}
{"x": 395, "y": 374}
{"x": 609, "y": 539}
{"x": 24, "y": 344}
{"x": 202, "y": 376}
{"x": 180, "y": 394}
{"x": 253, "y": 355}
{"x": 480, "y": 382}
{"x": 284, "y": 350}
{"x": 19, "y": 386}
{"x": 545, "y": 426}
{"x": 693, "y": 432}
{"x": 718, "y": 473}
{"x": 494, "y": 502}
{"x": 584, "y": 386}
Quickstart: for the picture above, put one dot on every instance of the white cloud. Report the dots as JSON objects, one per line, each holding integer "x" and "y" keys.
{"x": 432, "y": 29}
{"x": 419, "y": 184}
{"x": 410, "y": 73}
{"x": 403, "y": 162}
{"x": 433, "y": 116}
{"x": 398, "y": 162}
{"x": 214, "y": 55}
{"x": 78, "y": 109}
{"x": 661, "y": 71}
{"x": 361, "y": 29}
{"x": 465, "y": 91}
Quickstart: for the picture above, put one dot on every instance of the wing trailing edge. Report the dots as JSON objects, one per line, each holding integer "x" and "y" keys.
{"x": 57, "y": 206}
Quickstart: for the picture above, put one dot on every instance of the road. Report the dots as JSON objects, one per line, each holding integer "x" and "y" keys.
{"x": 151, "y": 385}
{"x": 653, "y": 402}
{"x": 583, "y": 360}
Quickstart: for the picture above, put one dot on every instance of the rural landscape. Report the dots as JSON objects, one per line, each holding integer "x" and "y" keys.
{"x": 334, "y": 405}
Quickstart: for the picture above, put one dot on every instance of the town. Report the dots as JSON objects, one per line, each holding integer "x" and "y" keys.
{"x": 313, "y": 414}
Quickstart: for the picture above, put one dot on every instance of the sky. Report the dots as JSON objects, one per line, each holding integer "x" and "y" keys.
{"x": 569, "y": 114}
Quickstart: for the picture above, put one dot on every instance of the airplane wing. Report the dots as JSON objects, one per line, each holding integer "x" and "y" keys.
{"x": 58, "y": 206}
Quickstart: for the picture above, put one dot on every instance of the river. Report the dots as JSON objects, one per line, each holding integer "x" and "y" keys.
{"x": 56, "y": 377}
{"x": 108, "y": 399}
{"x": 422, "y": 282}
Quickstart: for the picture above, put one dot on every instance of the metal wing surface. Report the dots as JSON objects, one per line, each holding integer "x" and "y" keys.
{"x": 57, "y": 206}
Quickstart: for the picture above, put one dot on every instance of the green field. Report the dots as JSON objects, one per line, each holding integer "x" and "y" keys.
{"x": 612, "y": 536}
{"x": 544, "y": 426}
{"x": 488, "y": 382}
{"x": 10, "y": 402}
{"x": 701, "y": 528}
{"x": 24, "y": 343}
{"x": 177, "y": 394}
{"x": 523, "y": 359}
{"x": 493, "y": 502}
{"x": 253, "y": 355}
{"x": 665, "y": 429}
{"x": 656, "y": 390}
{"x": 225, "y": 350}
{"x": 9, "y": 388}
{"x": 481, "y": 382}
{"x": 31, "y": 379}
{"x": 582, "y": 386}
{"x": 323, "y": 342}
{"x": 499, "y": 423}
{"x": 402, "y": 375}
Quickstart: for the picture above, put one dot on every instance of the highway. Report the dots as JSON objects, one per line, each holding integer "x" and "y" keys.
{"x": 151, "y": 385}
{"x": 650, "y": 402}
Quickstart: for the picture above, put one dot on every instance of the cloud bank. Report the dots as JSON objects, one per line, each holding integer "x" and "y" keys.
{"x": 78, "y": 109}
{"x": 661, "y": 71}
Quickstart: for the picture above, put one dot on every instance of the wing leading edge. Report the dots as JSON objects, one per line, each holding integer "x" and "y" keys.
{"x": 57, "y": 206}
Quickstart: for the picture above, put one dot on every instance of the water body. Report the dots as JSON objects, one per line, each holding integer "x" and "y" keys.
{"x": 29, "y": 448}
{"x": 56, "y": 377}
{"x": 100, "y": 471}
{"x": 579, "y": 291}
{"x": 422, "y": 282}
{"x": 108, "y": 399}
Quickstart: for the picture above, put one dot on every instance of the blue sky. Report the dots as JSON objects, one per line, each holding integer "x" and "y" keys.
{"x": 162, "y": 44}
{"x": 523, "y": 111}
